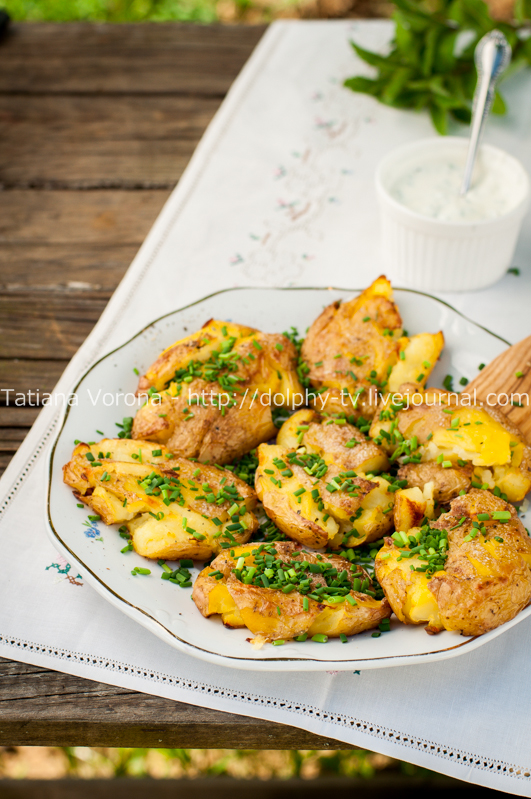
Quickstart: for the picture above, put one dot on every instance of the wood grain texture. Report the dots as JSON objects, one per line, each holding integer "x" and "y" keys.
{"x": 66, "y": 217}
{"x": 151, "y": 58}
{"x": 41, "y": 707}
{"x": 380, "y": 787}
{"x": 65, "y": 270}
{"x": 499, "y": 381}
{"x": 52, "y": 327}
{"x": 17, "y": 417}
{"x": 76, "y": 142}
{"x": 32, "y": 378}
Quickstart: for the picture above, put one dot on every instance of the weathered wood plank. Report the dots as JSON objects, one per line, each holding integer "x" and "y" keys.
{"x": 31, "y": 378}
{"x": 11, "y": 438}
{"x": 102, "y": 217}
{"x": 135, "y": 59}
{"x": 63, "y": 269}
{"x": 380, "y": 787}
{"x": 5, "y": 458}
{"x": 11, "y": 416}
{"x": 50, "y": 327}
{"x": 93, "y": 165}
{"x": 40, "y": 707}
{"x": 102, "y": 117}
{"x": 99, "y": 142}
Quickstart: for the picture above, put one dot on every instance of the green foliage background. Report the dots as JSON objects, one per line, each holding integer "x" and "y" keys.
{"x": 112, "y": 10}
{"x": 427, "y": 69}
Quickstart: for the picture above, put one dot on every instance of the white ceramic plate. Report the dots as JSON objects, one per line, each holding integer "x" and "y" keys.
{"x": 164, "y": 608}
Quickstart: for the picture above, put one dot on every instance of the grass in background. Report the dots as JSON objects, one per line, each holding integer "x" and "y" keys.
{"x": 202, "y": 11}
{"x": 112, "y": 10}
{"x": 39, "y": 762}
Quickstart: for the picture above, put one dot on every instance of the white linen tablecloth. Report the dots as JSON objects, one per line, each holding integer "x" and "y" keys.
{"x": 279, "y": 192}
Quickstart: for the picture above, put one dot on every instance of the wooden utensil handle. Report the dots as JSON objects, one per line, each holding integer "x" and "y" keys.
{"x": 506, "y": 381}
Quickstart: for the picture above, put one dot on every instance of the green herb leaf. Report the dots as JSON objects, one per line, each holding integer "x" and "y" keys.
{"x": 431, "y": 61}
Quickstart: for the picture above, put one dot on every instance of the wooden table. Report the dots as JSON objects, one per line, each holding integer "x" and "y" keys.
{"x": 96, "y": 126}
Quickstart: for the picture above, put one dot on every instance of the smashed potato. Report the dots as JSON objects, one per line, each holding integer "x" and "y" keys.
{"x": 356, "y": 349}
{"x": 447, "y": 439}
{"x": 313, "y": 483}
{"x": 412, "y": 505}
{"x": 467, "y": 572}
{"x": 171, "y": 507}
{"x": 210, "y": 394}
{"x": 280, "y": 591}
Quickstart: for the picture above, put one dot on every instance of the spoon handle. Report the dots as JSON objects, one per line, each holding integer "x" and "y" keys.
{"x": 492, "y": 55}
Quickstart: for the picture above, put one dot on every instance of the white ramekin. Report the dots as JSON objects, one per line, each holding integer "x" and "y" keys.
{"x": 446, "y": 256}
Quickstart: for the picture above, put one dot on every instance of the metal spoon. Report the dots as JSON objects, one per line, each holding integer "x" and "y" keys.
{"x": 492, "y": 55}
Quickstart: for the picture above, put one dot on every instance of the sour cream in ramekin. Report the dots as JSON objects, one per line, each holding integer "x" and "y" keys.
{"x": 430, "y": 185}
{"x": 434, "y": 238}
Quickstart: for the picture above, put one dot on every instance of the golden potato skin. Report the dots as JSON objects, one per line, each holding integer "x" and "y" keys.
{"x": 447, "y": 483}
{"x": 412, "y": 505}
{"x": 348, "y": 620}
{"x": 450, "y": 427}
{"x": 271, "y": 614}
{"x": 258, "y": 608}
{"x": 212, "y": 597}
{"x": 362, "y": 346}
{"x": 223, "y": 409}
{"x": 198, "y": 346}
{"x": 356, "y": 349}
{"x": 310, "y": 528}
{"x": 478, "y": 501}
{"x": 486, "y": 579}
{"x": 181, "y": 527}
{"x": 342, "y": 444}
{"x": 407, "y": 591}
{"x": 209, "y": 436}
{"x": 324, "y": 519}
{"x": 418, "y": 356}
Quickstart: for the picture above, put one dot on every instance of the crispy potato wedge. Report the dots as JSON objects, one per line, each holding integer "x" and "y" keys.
{"x": 216, "y": 433}
{"x": 212, "y": 598}
{"x": 407, "y": 590}
{"x": 476, "y": 444}
{"x": 342, "y": 444}
{"x": 167, "y": 504}
{"x": 353, "y": 351}
{"x": 417, "y": 359}
{"x": 272, "y": 614}
{"x": 447, "y": 483}
{"x": 486, "y": 578}
{"x": 210, "y": 395}
{"x": 412, "y": 505}
{"x": 313, "y": 485}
